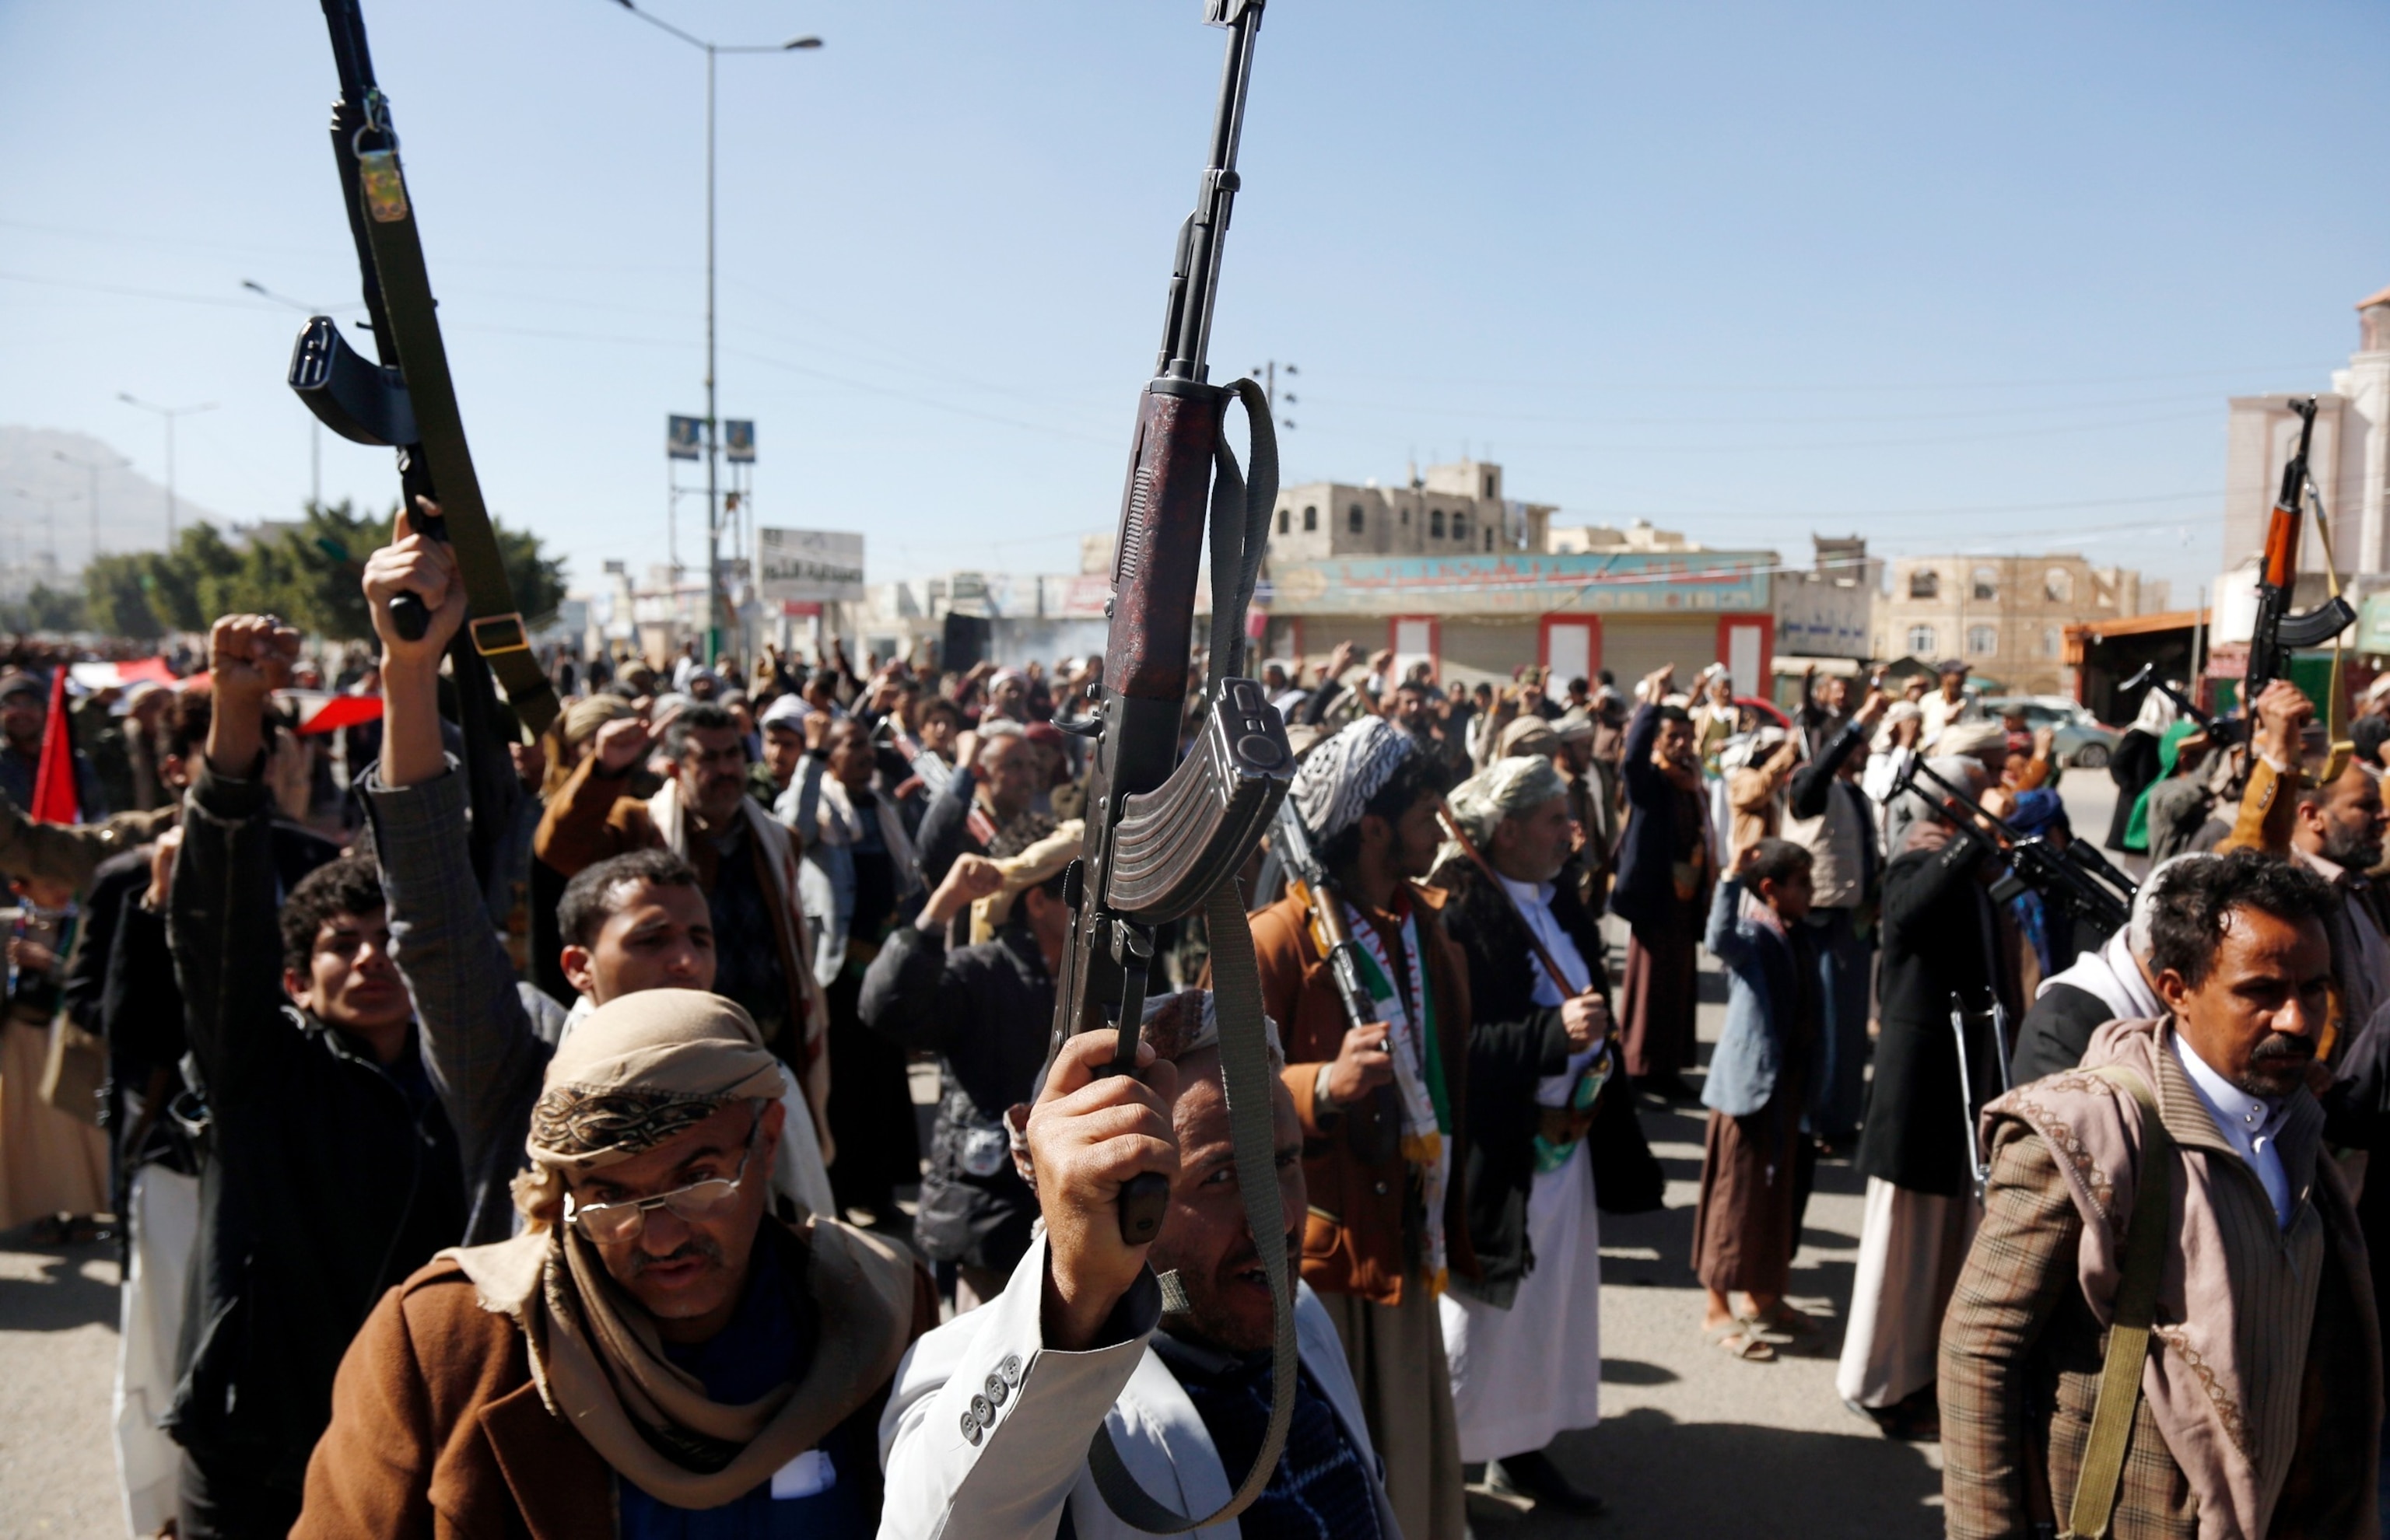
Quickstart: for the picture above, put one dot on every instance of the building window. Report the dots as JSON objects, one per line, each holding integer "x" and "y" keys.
{"x": 2058, "y": 585}
{"x": 1285, "y": 518}
{"x": 1986, "y": 583}
{"x": 1920, "y": 640}
{"x": 1925, "y": 583}
{"x": 1355, "y": 519}
{"x": 1983, "y": 641}
{"x": 1489, "y": 483}
{"x": 1460, "y": 525}
{"x": 1489, "y": 540}
{"x": 1435, "y": 522}
{"x": 2053, "y": 641}
{"x": 1310, "y": 519}
{"x": 1407, "y": 518}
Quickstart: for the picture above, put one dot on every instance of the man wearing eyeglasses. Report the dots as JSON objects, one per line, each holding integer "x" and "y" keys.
{"x": 656, "y": 1354}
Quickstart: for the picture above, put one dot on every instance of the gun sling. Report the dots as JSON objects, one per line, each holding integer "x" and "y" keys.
{"x": 496, "y": 625}
{"x": 2094, "y": 1507}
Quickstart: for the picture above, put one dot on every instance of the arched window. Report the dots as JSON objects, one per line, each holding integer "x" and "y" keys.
{"x": 1285, "y": 518}
{"x": 1355, "y": 519}
{"x": 1985, "y": 581}
{"x": 1983, "y": 641}
{"x": 1310, "y": 519}
{"x": 1435, "y": 522}
{"x": 1920, "y": 640}
{"x": 1924, "y": 583}
{"x": 2058, "y": 585}
{"x": 1460, "y": 525}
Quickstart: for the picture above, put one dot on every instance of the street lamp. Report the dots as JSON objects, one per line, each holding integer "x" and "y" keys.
{"x": 714, "y": 601}
{"x": 170, "y": 413}
{"x": 113, "y": 462}
{"x": 314, "y": 426}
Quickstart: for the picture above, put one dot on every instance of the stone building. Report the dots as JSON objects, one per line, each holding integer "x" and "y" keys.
{"x": 2005, "y": 615}
{"x": 1455, "y": 510}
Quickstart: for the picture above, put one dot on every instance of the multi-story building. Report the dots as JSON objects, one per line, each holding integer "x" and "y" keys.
{"x": 2349, "y": 459}
{"x": 2006, "y": 616}
{"x": 1455, "y": 510}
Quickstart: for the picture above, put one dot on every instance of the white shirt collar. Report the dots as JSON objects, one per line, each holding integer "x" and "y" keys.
{"x": 2248, "y": 1122}
{"x": 1529, "y": 893}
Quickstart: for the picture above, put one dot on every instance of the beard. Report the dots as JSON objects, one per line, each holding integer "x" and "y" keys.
{"x": 1210, "y": 1319}
{"x": 2357, "y": 849}
{"x": 2277, "y": 1064}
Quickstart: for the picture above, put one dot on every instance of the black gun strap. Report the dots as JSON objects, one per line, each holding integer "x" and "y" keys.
{"x": 495, "y": 623}
{"x": 1240, "y": 529}
{"x": 1247, "y": 1085}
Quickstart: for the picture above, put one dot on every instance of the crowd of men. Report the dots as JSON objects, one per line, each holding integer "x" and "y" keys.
{"x": 548, "y": 1164}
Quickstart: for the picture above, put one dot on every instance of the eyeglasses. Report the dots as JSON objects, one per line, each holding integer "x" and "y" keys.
{"x": 612, "y": 1223}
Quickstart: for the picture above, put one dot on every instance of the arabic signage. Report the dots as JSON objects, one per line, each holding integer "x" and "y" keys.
{"x": 809, "y": 565}
{"x": 1686, "y": 581}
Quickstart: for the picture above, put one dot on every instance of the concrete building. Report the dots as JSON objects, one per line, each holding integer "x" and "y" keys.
{"x": 1455, "y": 510}
{"x": 2005, "y": 615}
{"x": 1448, "y": 571}
{"x": 2349, "y": 459}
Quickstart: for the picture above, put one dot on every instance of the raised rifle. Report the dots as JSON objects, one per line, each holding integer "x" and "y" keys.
{"x": 2279, "y": 631}
{"x": 1377, "y": 1139}
{"x": 2221, "y": 733}
{"x": 1166, "y": 835}
{"x": 407, "y": 403}
{"x": 2077, "y": 879}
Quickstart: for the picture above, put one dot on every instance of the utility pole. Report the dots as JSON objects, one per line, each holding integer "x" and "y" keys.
{"x": 170, "y": 413}
{"x": 114, "y": 462}
{"x": 1269, "y": 371}
{"x": 717, "y": 608}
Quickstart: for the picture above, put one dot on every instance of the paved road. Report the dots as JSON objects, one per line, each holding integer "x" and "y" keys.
{"x": 1692, "y": 1442}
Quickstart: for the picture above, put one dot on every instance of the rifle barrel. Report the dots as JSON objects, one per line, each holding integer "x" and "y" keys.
{"x": 1187, "y": 339}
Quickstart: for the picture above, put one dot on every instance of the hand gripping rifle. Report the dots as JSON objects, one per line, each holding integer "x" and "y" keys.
{"x": 1166, "y": 835}
{"x": 1376, "y": 1139}
{"x": 2078, "y": 880}
{"x": 407, "y": 401}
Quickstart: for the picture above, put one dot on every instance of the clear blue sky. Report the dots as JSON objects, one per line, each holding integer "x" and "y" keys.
{"x": 1749, "y": 271}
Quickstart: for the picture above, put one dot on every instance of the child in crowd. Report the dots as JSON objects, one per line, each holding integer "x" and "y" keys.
{"x": 1753, "y": 1159}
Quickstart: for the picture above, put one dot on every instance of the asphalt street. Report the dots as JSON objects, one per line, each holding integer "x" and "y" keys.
{"x": 1692, "y": 1441}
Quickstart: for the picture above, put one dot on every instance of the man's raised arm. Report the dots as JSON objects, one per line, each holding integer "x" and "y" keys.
{"x": 1061, "y": 1340}
{"x": 477, "y": 1039}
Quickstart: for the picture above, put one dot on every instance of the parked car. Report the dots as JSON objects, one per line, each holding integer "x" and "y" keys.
{"x": 2080, "y": 740}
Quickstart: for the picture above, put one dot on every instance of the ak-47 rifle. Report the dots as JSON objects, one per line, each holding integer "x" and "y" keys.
{"x": 2222, "y": 733}
{"x": 2077, "y": 879}
{"x": 2279, "y": 631}
{"x": 1376, "y": 1139}
{"x": 406, "y": 401}
{"x": 1165, "y": 834}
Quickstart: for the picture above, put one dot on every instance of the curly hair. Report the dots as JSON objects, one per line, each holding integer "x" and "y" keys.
{"x": 351, "y": 885}
{"x": 2189, "y": 916}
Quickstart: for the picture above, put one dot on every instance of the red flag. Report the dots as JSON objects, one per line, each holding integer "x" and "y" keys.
{"x": 54, "y": 782}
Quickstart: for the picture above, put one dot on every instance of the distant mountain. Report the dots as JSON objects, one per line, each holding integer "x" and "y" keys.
{"x": 131, "y": 506}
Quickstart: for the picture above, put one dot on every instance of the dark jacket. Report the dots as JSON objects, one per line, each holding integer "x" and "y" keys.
{"x": 946, "y": 828}
{"x": 1513, "y": 1043}
{"x": 1938, "y": 923}
{"x": 987, "y": 1012}
{"x": 1645, "y": 884}
{"x": 324, "y": 1177}
{"x": 2132, "y": 764}
{"x": 2056, "y": 1030}
{"x": 2357, "y": 1115}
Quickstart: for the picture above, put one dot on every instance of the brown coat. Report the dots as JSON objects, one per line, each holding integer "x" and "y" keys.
{"x": 2022, "y": 1354}
{"x": 438, "y": 1431}
{"x": 1352, "y": 1236}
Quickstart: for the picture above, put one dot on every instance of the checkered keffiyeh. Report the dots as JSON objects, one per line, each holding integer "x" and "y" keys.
{"x": 1338, "y": 779}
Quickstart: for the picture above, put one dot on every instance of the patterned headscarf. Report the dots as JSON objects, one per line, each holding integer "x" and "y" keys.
{"x": 642, "y": 1068}
{"x": 1338, "y": 779}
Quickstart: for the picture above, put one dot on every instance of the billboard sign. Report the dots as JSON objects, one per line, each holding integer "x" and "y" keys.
{"x": 739, "y": 441}
{"x": 809, "y": 565}
{"x": 684, "y": 437}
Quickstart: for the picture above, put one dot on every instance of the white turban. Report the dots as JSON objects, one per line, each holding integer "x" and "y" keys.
{"x": 1503, "y": 790}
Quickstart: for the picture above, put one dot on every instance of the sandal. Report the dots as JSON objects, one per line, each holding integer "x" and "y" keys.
{"x": 1736, "y": 1338}
{"x": 1782, "y": 1323}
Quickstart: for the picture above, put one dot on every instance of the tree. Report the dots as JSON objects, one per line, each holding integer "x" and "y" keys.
{"x": 44, "y": 608}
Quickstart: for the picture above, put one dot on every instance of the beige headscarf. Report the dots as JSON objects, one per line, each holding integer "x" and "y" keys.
{"x": 1038, "y": 864}
{"x": 639, "y": 1071}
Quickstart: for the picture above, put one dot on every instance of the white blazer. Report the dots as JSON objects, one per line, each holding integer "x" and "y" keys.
{"x": 1007, "y": 1471}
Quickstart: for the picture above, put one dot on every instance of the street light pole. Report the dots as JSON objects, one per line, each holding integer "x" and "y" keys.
{"x": 114, "y": 462}
{"x": 314, "y": 426}
{"x": 170, "y": 413}
{"x": 715, "y": 605}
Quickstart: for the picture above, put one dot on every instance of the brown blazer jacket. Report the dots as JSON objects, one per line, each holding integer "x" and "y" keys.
{"x": 1353, "y": 1240}
{"x": 439, "y": 1433}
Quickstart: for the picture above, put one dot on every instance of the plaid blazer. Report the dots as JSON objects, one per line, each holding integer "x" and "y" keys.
{"x": 2020, "y": 1372}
